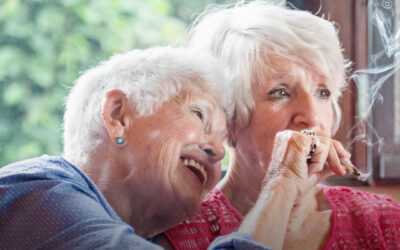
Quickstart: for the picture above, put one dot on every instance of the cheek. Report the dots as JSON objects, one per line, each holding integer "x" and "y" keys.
{"x": 190, "y": 135}
{"x": 190, "y": 132}
{"x": 180, "y": 131}
{"x": 326, "y": 113}
{"x": 168, "y": 156}
{"x": 164, "y": 147}
{"x": 257, "y": 137}
{"x": 169, "y": 141}
{"x": 154, "y": 135}
{"x": 267, "y": 120}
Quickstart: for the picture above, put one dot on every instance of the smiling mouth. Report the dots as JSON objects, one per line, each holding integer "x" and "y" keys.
{"x": 196, "y": 168}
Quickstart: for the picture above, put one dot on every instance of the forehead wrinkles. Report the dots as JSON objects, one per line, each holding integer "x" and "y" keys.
{"x": 277, "y": 68}
{"x": 295, "y": 72}
{"x": 285, "y": 68}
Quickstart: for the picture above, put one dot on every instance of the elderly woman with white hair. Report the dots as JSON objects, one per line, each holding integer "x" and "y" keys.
{"x": 288, "y": 72}
{"x": 143, "y": 140}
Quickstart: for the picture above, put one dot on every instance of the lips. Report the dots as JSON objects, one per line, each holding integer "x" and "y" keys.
{"x": 196, "y": 168}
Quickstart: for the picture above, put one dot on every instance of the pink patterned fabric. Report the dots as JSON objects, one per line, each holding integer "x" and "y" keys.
{"x": 216, "y": 217}
{"x": 360, "y": 220}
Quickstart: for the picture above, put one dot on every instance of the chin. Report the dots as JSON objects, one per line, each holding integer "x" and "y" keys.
{"x": 193, "y": 204}
{"x": 188, "y": 194}
{"x": 190, "y": 203}
{"x": 193, "y": 209}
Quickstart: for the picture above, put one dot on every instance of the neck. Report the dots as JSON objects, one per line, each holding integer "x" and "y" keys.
{"x": 126, "y": 193}
{"x": 242, "y": 184}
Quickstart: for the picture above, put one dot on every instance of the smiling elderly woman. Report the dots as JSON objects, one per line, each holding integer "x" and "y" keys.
{"x": 143, "y": 143}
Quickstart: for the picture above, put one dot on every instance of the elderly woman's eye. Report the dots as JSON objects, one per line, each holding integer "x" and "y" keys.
{"x": 278, "y": 93}
{"x": 324, "y": 93}
{"x": 198, "y": 114}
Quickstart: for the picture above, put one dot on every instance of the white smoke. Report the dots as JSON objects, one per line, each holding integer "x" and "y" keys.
{"x": 382, "y": 18}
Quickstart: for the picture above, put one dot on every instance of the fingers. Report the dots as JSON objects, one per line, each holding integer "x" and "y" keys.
{"x": 304, "y": 159}
{"x": 328, "y": 151}
{"x": 325, "y": 173}
{"x": 305, "y": 154}
{"x": 296, "y": 150}
{"x": 334, "y": 161}
{"x": 319, "y": 157}
{"x": 342, "y": 153}
{"x": 317, "y": 177}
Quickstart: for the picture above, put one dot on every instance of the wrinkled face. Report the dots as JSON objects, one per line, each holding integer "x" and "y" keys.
{"x": 179, "y": 148}
{"x": 292, "y": 96}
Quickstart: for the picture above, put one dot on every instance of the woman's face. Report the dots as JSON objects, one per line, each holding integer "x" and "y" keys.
{"x": 293, "y": 96}
{"x": 179, "y": 148}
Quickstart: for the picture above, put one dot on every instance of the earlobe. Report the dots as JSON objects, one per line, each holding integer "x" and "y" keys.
{"x": 115, "y": 114}
{"x": 120, "y": 141}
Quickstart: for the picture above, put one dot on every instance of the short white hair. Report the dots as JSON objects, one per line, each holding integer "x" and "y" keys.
{"x": 244, "y": 35}
{"x": 148, "y": 78}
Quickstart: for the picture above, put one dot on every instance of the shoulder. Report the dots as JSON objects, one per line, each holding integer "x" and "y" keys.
{"x": 357, "y": 199}
{"x": 45, "y": 172}
{"x": 44, "y": 167}
{"x": 362, "y": 218}
{"x": 49, "y": 178}
{"x": 45, "y": 197}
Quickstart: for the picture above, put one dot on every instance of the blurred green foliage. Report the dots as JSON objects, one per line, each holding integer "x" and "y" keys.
{"x": 45, "y": 44}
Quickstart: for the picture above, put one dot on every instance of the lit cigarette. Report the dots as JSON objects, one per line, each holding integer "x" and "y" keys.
{"x": 349, "y": 166}
{"x": 353, "y": 169}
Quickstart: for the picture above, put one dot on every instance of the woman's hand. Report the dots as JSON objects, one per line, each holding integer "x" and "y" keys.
{"x": 291, "y": 174}
{"x": 291, "y": 165}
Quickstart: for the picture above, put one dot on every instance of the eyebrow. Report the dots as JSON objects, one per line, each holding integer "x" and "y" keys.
{"x": 202, "y": 103}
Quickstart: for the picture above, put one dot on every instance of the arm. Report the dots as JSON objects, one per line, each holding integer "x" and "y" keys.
{"x": 59, "y": 213}
{"x": 267, "y": 220}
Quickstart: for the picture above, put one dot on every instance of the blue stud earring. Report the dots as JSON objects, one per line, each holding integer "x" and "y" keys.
{"x": 119, "y": 140}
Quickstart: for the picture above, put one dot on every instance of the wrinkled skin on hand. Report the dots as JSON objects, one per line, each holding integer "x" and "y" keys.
{"x": 289, "y": 178}
{"x": 289, "y": 165}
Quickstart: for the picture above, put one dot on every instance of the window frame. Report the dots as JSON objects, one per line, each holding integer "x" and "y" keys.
{"x": 383, "y": 161}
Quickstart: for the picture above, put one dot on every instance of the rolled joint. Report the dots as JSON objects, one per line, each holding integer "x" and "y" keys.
{"x": 353, "y": 170}
{"x": 350, "y": 166}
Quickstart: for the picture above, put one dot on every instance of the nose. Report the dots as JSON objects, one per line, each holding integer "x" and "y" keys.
{"x": 306, "y": 115}
{"x": 214, "y": 148}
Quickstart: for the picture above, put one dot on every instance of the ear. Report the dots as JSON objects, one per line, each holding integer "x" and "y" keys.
{"x": 116, "y": 115}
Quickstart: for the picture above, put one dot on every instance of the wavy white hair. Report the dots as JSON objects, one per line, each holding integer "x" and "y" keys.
{"x": 148, "y": 78}
{"x": 244, "y": 35}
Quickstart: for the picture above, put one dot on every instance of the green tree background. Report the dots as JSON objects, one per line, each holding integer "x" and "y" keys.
{"x": 46, "y": 44}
